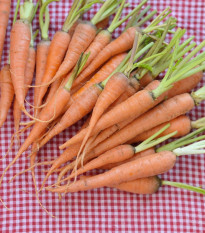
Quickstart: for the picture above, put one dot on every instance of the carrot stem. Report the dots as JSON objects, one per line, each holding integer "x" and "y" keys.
{"x": 198, "y": 123}
{"x": 151, "y": 141}
{"x": 183, "y": 186}
{"x": 190, "y": 138}
{"x": 199, "y": 95}
{"x": 136, "y": 17}
{"x": 99, "y": 15}
{"x": 117, "y": 22}
{"x": 79, "y": 66}
{"x": 44, "y": 24}
{"x": 123, "y": 65}
{"x": 26, "y": 11}
{"x": 180, "y": 70}
{"x": 16, "y": 11}
{"x": 145, "y": 19}
{"x": 192, "y": 149}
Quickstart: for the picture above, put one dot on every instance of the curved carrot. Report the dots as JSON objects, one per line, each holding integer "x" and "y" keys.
{"x": 59, "y": 45}
{"x": 102, "y": 74}
{"x": 7, "y": 93}
{"x": 100, "y": 41}
{"x": 5, "y": 6}
{"x": 115, "y": 86}
{"x": 81, "y": 107}
{"x": 181, "y": 124}
{"x": 84, "y": 34}
{"x": 41, "y": 57}
{"x": 19, "y": 49}
{"x": 149, "y": 165}
{"x": 29, "y": 72}
{"x": 120, "y": 45}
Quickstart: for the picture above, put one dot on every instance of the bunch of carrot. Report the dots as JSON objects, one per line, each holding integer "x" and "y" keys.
{"x": 83, "y": 71}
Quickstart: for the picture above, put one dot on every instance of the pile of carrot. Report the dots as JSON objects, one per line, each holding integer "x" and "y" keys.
{"x": 117, "y": 82}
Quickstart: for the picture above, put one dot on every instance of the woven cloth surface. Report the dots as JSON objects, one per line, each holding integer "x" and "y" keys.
{"x": 104, "y": 209}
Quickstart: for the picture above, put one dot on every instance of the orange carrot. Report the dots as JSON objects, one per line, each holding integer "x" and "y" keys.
{"x": 164, "y": 112}
{"x": 185, "y": 85}
{"x": 181, "y": 124}
{"x": 81, "y": 107}
{"x": 149, "y": 165}
{"x": 120, "y": 45}
{"x": 115, "y": 86}
{"x": 117, "y": 154}
{"x": 4, "y": 18}
{"x": 100, "y": 41}
{"x": 42, "y": 51}
{"x": 19, "y": 49}
{"x": 7, "y": 93}
{"x": 59, "y": 45}
{"x": 29, "y": 72}
{"x": 84, "y": 34}
{"x": 147, "y": 185}
{"x": 134, "y": 103}
{"x": 136, "y": 156}
{"x": 102, "y": 74}
{"x": 102, "y": 136}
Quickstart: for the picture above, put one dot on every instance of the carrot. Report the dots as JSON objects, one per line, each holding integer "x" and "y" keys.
{"x": 42, "y": 51}
{"x": 152, "y": 184}
{"x": 87, "y": 105}
{"x": 133, "y": 105}
{"x": 19, "y": 49}
{"x": 84, "y": 34}
{"x": 142, "y": 97}
{"x": 94, "y": 141}
{"x": 136, "y": 156}
{"x": 143, "y": 167}
{"x": 181, "y": 124}
{"x": 50, "y": 110}
{"x": 164, "y": 112}
{"x": 116, "y": 85}
{"x": 185, "y": 85}
{"x": 81, "y": 107}
{"x": 120, "y": 45}
{"x": 103, "y": 73}
{"x": 114, "y": 155}
{"x": 103, "y": 38}
{"x": 59, "y": 45}
{"x": 41, "y": 57}
{"x": 110, "y": 157}
{"x": 147, "y": 185}
{"x": 7, "y": 93}
{"x": 5, "y": 6}
{"x": 29, "y": 72}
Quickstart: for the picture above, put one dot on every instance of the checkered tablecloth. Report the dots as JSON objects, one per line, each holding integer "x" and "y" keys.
{"x": 105, "y": 209}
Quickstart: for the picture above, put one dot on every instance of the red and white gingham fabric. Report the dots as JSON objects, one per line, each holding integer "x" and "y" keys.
{"x": 105, "y": 209}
